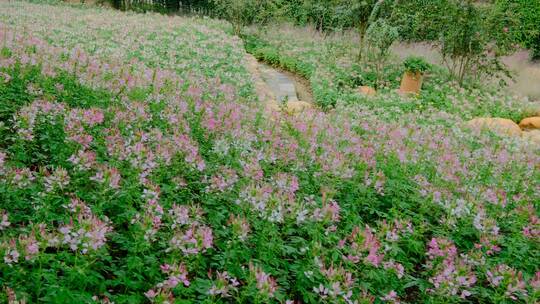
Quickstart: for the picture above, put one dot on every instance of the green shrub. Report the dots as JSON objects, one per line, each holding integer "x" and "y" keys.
{"x": 416, "y": 65}
{"x": 521, "y": 18}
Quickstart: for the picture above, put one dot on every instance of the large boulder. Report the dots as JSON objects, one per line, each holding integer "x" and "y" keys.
{"x": 298, "y": 106}
{"x": 368, "y": 91}
{"x": 530, "y": 123}
{"x": 500, "y": 126}
{"x": 292, "y": 107}
{"x": 272, "y": 106}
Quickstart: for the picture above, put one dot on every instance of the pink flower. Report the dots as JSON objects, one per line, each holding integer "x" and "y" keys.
{"x": 399, "y": 269}
{"x": 207, "y": 237}
{"x": 32, "y": 247}
{"x": 265, "y": 283}
{"x": 441, "y": 248}
{"x": 11, "y": 256}
{"x": 508, "y": 279}
{"x": 240, "y": 226}
{"x": 59, "y": 179}
{"x": 177, "y": 274}
{"x": 362, "y": 242}
{"x": 373, "y": 257}
{"x": 223, "y": 285}
{"x": 193, "y": 240}
{"x": 4, "y": 223}
{"x": 114, "y": 178}
{"x": 84, "y": 160}
{"x": 165, "y": 267}
{"x": 93, "y": 116}
{"x": 3, "y": 157}
{"x": 535, "y": 282}
{"x": 151, "y": 294}
{"x": 6, "y": 78}
{"x": 391, "y": 297}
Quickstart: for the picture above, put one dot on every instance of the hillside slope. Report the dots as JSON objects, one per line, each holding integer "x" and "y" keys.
{"x": 137, "y": 165}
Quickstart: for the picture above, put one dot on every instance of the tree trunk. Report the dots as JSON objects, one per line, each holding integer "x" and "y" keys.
{"x": 362, "y": 28}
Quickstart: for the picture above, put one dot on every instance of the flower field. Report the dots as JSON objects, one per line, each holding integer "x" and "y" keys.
{"x": 138, "y": 166}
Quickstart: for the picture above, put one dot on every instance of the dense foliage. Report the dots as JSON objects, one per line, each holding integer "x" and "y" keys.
{"x": 414, "y": 64}
{"x": 522, "y": 19}
{"x": 136, "y": 165}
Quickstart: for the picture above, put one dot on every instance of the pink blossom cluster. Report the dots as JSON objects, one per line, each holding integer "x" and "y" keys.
{"x": 508, "y": 280}
{"x": 223, "y": 181}
{"x": 20, "y": 177}
{"x": 26, "y": 248}
{"x": 189, "y": 234}
{"x": 453, "y": 274}
{"x": 38, "y": 111}
{"x": 85, "y": 232}
{"x": 151, "y": 218}
{"x": 197, "y": 129}
{"x": 78, "y": 122}
{"x": 224, "y": 285}
{"x": 363, "y": 245}
{"x": 266, "y": 284}
{"x": 176, "y": 274}
{"x": 56, "y": 180}
{"x": 192, "y": 240}
{"x": 110, "y": 176}
{"x": 339, "y": 284}
{"x": 182, "y": 216}
{"x": 4, "y": 223}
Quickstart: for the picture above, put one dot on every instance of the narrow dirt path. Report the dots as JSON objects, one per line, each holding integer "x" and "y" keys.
{"x": 278, "y": 90}
{"x": 282, "y": 87}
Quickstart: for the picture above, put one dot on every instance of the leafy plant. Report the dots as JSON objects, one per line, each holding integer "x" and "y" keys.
{"x": 415, "y": 65}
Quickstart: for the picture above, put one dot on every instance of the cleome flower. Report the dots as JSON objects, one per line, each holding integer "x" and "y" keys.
{"x": 224, "y": 285}
{"x": 266, "y": 285}
{"x": 4, "y": 220}
{"x": 194, "y": 240}
{"x": 453, "y": 274}
{"x": 85, "y": 233}
{"x": 363, "y": 245}
{"x": 507, "y": 280}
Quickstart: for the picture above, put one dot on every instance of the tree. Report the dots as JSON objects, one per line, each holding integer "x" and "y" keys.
{"x": 380, "y": 36}
{"x": 470, "y": 44}
{"x": 365, "y": 12}
{"x": 361, "y": 11}
{"x": 243, "y": 12}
